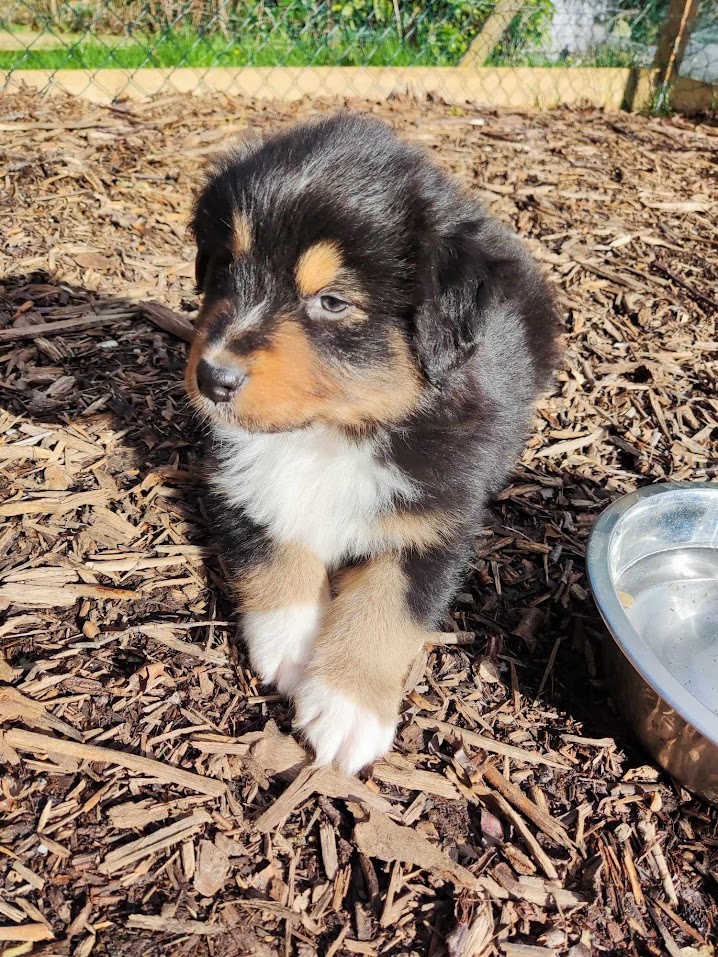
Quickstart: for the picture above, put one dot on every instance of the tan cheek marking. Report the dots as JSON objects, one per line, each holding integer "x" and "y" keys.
{"x": 407, "y": 380}
{"x": 241, "y": 235}
{"x": 288, "y": 383}
{"x": 369, "y": 638}
{"x": 317, "y": 268}
{"x": 292, "y": 576}
{"x": 383, "y": 395}
{"x": 417, "y": 530}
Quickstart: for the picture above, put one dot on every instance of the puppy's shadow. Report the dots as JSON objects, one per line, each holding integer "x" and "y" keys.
{"x": 111, "y": 366}
{"x": 108, "y": 388}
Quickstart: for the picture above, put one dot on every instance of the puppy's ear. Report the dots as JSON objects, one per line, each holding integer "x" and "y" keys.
{"x": 200, "y": 270}
{"x": 448, "y": 320}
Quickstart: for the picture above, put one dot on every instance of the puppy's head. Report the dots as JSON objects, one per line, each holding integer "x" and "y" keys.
{"x": 339, "y": 278}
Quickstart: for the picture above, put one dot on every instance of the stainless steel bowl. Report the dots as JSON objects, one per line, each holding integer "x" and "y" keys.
{"x": 652, "y": 561}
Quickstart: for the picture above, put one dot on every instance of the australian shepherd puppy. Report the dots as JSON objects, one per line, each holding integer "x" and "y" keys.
{"x": 370, "y": 347}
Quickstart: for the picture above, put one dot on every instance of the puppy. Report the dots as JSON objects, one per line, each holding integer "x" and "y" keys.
{"x": 370, "y": 347}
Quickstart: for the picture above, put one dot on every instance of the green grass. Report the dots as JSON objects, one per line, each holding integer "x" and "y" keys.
{"x": 366, "y": 46}
{"x": 194, "y": 50}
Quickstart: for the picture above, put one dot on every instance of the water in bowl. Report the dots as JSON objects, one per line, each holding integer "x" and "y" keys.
{"x": 671, "y": 599}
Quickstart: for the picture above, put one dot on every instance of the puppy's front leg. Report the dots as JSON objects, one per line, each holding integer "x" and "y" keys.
{"x": 348, "y": 700}
{"x": 284, "y": 598}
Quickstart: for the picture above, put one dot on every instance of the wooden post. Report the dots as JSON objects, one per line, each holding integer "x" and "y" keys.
{"x": 223, "y": 18}
{"x": 483, "y": 44}
{"x": 672, "y": 42}
{"x": 397, "y": 16}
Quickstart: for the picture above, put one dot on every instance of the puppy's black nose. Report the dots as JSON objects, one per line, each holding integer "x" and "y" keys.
{"x": 218, "y": 382}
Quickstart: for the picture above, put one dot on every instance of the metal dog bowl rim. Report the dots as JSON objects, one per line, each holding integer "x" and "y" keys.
{"x": 627, "y": 639}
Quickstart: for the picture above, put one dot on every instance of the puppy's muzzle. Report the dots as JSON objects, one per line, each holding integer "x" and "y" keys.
{"x": 220, "y": 383}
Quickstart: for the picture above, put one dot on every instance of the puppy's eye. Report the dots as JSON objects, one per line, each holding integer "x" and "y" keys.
{"x": 333, "y": 304}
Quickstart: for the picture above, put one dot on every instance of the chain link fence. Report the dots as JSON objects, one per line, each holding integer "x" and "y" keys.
{"x": 527, "y": 52}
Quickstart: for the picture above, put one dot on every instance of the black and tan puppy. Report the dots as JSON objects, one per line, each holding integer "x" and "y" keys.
{"x": 370, "y": 348}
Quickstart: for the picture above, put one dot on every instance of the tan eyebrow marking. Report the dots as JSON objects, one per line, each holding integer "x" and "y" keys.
{"x": 318, "y": 266}
{"x": 241, "y": 234}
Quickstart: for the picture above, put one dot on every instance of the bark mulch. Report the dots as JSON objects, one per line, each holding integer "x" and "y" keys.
{"x": 153, "y": 799}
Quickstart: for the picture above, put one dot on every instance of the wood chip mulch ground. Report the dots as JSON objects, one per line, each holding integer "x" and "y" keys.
{"x": 153, "y": 799}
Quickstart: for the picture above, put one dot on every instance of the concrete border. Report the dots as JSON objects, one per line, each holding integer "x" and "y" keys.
{"x": 507, "y": 87}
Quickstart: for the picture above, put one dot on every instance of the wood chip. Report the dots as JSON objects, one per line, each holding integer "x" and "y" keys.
{"x": 211, "y": 871}
{"x": 380, "y": 837}
{"x": 175, "y": 833}
{"x": 327, "y": 781}
{"x": 550, "y": 827}
{"x": 15, "y": 706}
{"x": 502, "y": 806}
{"x": 473, "y": 937}
{"x": 650, "y": 835}
{"x": 328, "y": 841}
{"x": 170, "y": 925}
{"x": 30, "y": 877}
{"x": 28, "y": 932}
{"x": 165, "y": 637}
{"x": 487, "y": 744}
{"x": 524, "y": 950}
{"x": 413, "y": 780}
{"x": 44, "y": 329}
{"x": 536, "y": 891}
{"x": 29, "y": 741}
{"x": 167, "y": 319}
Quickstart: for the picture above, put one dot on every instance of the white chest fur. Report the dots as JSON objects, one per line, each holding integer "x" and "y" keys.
{"x": 314, "y": 487}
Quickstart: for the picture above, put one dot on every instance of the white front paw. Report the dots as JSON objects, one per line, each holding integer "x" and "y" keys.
{"x": 338, "y": 728}
{"x": 280, "y": 642}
